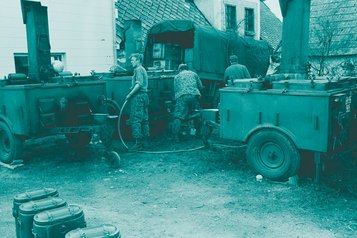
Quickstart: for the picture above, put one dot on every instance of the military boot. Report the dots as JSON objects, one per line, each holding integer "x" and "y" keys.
{"x": 137, "y": 146}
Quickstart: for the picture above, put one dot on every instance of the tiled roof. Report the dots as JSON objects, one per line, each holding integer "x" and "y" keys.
{"x": 151, "y": 12}
{"x": 270, "y": 26}
{"x": 342, "y": 17}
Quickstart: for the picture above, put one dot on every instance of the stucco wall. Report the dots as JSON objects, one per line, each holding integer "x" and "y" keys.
{"x": 214, "y": 10}
{"x": 82, "y": 29}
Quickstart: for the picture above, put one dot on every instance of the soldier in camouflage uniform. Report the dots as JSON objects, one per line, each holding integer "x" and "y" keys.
{"x": 139, "y": 103}
{"x": 187, "y": 87}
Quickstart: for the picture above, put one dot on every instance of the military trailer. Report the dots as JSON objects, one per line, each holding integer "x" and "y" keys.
{"x": 281, "y": 115}
{"x": 44, "y": 102}
{"x": 293, "y": 115}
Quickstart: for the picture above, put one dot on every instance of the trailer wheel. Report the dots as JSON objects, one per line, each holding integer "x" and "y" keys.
{"x": 10, "y": 144}
{"x": 273, "y": 155}
{"x": 79, "y": 139}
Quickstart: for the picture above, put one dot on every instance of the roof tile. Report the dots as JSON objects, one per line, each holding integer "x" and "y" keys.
{"x": 155, "y": 11}
{"x": 270, "y": 26}
{"x": 342, "y": 16}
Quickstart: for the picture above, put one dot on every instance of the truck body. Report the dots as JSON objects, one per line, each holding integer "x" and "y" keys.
{"x": 205, "y": 50}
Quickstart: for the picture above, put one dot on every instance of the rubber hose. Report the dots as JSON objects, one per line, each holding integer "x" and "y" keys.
{"x": 119, "y": 129}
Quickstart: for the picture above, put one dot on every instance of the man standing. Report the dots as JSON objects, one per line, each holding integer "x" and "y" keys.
{"x": 138, "y": 95}
{"x": 235, "y": 71}
{"x": 187, "y": 86}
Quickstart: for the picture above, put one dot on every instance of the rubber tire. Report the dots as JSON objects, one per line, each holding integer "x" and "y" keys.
{"x": 263, "y": 145}
{"x": 79, "y": 139}
{"x": 10, "y": 145}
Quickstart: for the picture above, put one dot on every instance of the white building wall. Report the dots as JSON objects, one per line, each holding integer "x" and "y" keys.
{"x": 12, "y": 35}
{"x": 84, "y": 30}
{"x": 214, "y": 10}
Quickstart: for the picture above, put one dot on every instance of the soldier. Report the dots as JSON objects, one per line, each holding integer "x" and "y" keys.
{"x": 187, "y": 87}
{"x": 138, "y": 95}
{"x": 235, "y": 70}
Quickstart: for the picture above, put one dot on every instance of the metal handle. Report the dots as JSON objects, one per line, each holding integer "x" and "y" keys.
{"x": 63, "y": 229}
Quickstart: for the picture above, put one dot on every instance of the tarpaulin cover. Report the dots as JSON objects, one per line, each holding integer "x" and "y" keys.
{"x": 211, "y": 47}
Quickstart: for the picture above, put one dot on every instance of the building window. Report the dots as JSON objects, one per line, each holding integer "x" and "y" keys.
{"x": 249, "y": 22}
{"x": 21, "y": 61}
{"x": 231, "y": 17}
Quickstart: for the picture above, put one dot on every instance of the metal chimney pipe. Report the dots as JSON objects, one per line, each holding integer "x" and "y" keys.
{"x": 38, "y": 41}
{"x": 295, "y": 38}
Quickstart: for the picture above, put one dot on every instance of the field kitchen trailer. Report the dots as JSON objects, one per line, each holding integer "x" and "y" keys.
{"x": 46, "y": 102}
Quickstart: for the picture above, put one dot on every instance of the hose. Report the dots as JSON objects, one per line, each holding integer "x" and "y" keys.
{"x": 148, "y": 152}
{"x": 119, "y": 130}
{"x": 171, "y": 151}
{"x": 230, "y": 146}
{"x": 165, "y": 151}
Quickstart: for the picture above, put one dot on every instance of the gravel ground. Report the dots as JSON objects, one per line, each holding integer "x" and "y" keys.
{"x": 198, "y": 193}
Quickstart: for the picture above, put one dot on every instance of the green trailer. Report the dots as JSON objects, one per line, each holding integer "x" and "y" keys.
{"x": 45, "y": 102}
{"x": 73, "y": 108}
{"x": 280, "y": 121}
{"x": 280, "y": 115}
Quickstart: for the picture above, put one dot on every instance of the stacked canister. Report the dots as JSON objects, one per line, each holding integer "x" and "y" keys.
{"x": 42, "y": 214}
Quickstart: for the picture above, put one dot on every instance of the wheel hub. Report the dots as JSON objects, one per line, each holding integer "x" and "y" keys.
{"x": 272, "y": 155}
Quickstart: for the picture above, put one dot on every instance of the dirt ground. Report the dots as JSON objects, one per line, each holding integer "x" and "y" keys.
{"x": 199, "y": 193}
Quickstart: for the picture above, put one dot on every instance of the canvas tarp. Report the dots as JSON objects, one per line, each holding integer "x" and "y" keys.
{"x": 211, "y": 47}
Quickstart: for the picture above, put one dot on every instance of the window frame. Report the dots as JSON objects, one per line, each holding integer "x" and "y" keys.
{"x": 231, "y": 17}
{"x": 249, "y": 21}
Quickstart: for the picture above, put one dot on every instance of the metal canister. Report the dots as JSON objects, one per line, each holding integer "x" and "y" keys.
{"x": 28, "y": 210}
{"x": 27, "y": 196}
{"x": 102, "y": 231}
{"x": 55, "y": 223}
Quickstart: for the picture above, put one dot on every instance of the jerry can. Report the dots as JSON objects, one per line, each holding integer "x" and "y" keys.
{"x": 28, "y": 210}
{"x": 102, "y": 231}
{"x": 55, "y": 223}
{"x": 30, "y": 196}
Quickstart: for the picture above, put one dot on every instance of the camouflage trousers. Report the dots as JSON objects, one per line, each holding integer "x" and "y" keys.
{"x": 184, "y": 105}
{"x": 139, "y": 116}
